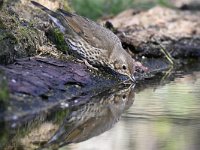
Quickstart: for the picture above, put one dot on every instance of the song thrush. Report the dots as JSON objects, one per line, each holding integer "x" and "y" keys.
{"x": 92, "y": 42}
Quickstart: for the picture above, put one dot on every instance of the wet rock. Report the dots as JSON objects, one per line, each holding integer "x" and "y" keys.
{"x": 192, "y": 5}
{"x": 148, "y": 33}
{"x": 38, "y": 83}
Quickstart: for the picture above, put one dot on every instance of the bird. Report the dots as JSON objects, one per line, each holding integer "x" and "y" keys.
{"x": 93, "y": 118}
{"x": 89, "y": 41}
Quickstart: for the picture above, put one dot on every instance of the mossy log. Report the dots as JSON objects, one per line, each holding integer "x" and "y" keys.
{"x": 26, "y": 32}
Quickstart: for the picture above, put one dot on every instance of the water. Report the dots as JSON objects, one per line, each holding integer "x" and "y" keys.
{"x": 162, "y": 113}
{"x": 161, "y": 117}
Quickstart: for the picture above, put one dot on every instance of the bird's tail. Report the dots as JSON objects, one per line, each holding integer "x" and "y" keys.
{"x": 52, "y": 13}
{"x": 56, "y": 18}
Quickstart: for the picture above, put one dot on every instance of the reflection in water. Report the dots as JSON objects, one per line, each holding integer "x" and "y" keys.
{"x": 62, "y": 126}
{"x": 165, "y": 117}
{"x": 94, "y": 118}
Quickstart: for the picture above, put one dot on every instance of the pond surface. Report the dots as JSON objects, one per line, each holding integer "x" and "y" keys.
{"x": 165, "y": 116}
{"x": 160, "y": 113}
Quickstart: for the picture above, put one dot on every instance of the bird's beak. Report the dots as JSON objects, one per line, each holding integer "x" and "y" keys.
{"x": 132, "y": 78}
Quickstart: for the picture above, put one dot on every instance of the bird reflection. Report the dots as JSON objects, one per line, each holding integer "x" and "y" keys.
{"x": 93, "y": 118}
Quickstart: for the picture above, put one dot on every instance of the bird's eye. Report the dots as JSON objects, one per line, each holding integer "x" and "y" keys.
{"x": 124, "y": 96}
{"x": 124, "y": 67}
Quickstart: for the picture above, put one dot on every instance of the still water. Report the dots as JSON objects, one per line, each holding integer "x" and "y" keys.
{"x": 160, "y": 113}
{"x": 165, "y": 116}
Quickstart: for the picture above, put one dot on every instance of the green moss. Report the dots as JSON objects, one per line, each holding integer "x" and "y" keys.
{"x": 7, "y": 43}
{"x": 7, "y": 35}
{"x": 24, "y": 33}
{"x": 18, "y": 37}
{"x": 61, "y": 115}
{"x": 58, "y": 39}
{"x": 7, "y": 51}
{"x": 4, "y": 91}
{"x": 27, "y": 38}
{"x": 2, "y": 26}
{"x": 4, "y": 137}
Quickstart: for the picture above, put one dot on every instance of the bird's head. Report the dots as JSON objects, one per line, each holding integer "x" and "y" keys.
{"x": 124, "y": 64}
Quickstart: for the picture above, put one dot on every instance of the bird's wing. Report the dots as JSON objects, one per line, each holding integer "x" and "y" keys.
{"x": 91, "y": 32}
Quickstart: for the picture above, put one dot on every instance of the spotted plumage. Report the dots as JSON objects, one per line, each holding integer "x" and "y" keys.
{"x": 92, "y": 42}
